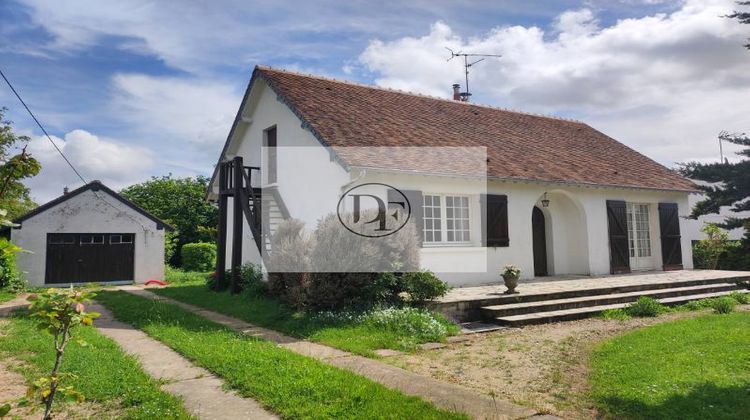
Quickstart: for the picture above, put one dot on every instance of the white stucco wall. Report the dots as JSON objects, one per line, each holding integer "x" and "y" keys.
{"x": 306, "y": 176}
{"x": 87, "y": 213}
{"x": 576, "y": 221}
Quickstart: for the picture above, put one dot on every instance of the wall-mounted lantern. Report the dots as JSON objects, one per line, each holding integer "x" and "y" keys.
{"x": 545, "y": 201}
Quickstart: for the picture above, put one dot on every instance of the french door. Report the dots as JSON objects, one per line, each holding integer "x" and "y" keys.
{"x": 639, "y": 236}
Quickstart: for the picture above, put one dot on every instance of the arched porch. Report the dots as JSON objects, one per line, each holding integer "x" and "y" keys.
{"x": 560, "y": 236}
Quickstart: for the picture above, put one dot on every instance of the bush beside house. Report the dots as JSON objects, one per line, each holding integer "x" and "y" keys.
{"x": 10, "y": 277}
{"x": 199, "y": 256}
{"x": 299, "y": 268}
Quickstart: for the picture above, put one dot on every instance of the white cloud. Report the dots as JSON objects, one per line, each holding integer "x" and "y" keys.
{"x": 192, "y": 111}
{"x": 665, "y": 84}
{"x": 115, "y": 164}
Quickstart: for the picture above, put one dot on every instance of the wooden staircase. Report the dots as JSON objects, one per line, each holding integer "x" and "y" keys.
{"x": 539, "y": 308}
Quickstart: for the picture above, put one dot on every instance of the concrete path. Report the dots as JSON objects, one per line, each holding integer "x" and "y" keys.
{"x": 202, "y": 393}
{"x": 441, "y": 394}
{"x": 14, "y": 304}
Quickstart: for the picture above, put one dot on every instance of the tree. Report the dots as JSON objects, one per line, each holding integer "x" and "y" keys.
{"x": 742, "y": 17}
{"x": 730, "y": 183}
{"x": 180, "y": 202}
{"x": 16, "y": 164}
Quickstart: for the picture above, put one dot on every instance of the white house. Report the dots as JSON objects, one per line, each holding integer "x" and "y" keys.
{"x": 91, "y": 234}
{"x": 556, "y": 197}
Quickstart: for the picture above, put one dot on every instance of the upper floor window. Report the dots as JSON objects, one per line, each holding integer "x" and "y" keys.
{"x": 446, "y": 219}
{"x": 270, "y": 143}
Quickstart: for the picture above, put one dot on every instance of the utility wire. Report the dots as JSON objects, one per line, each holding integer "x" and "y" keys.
{"x": 42, "y": 128}
{"x": 63, "y": 154}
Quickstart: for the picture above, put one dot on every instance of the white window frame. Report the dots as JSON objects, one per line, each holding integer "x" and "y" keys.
{"x": 636, "y": 241}
{"x": 444, "y": 221}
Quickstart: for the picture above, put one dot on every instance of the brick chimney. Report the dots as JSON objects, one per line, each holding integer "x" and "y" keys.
{"x": 65, "y": 191}
{"x": 456, "y": 92}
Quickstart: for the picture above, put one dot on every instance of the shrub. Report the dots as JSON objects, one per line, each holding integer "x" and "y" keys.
{"x": 423, "y": 286}
{"x": 723, "y": 305}
{"x": 289, "y": 263}
{"x": 251, "y": 280}
{"x": 645, "y": 307}
{"x": 709, "y": 250}
{"x": 10, "y": 277}
{"x": 198, "y": 256}
{"x": 333, "y": 268}
{"x": 419, "y": 324}
{"x": 740, "y": 298}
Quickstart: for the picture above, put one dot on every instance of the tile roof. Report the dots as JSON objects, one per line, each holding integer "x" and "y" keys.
{"x": 519, "y": 146}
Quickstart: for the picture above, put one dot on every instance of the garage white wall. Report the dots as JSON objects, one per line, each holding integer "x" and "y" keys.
{"x": 90, "y": 212}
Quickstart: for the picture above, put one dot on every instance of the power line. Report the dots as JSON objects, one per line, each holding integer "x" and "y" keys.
{"x": 63, "y": 154}
{"x": 42, "y": 128}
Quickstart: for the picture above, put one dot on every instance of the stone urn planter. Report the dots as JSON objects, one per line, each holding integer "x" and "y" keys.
{"x": 510, "y": 275}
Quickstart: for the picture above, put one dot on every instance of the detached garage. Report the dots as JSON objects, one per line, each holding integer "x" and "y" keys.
{"x": 91, "y": 234}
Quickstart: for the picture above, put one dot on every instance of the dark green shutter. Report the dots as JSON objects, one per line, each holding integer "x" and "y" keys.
{"x": 671, "y": 247}
{"x": 619, "y": 251}
{"x": 494, "y": 220}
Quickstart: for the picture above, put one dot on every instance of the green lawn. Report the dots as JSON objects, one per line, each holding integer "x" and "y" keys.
{"x": 689, "y": 369}
{"x": 106, "y": 375}
{"x": 6, "y": 296}
{"x": 287, "y": 383}
{"x": 345, "y": 331}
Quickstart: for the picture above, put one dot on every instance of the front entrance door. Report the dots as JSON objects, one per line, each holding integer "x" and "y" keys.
{"x": 539, "y": 239}
{"x": 639, "y": 236}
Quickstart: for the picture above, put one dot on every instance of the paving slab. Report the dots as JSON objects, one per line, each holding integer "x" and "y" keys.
{"x": 442, "y": 394}
{"x": 202, "y": 393}
{"x": 19, "y": 302}
{"x": 388, "y": 352}
{"x": 432, "y": 346}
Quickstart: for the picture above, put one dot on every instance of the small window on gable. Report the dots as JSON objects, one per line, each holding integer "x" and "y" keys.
{"x": 121, "y": 238}
{"x": 92, "y": 239}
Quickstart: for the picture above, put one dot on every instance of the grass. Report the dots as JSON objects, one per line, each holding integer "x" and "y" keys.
{"x": 106, "y": 375}
{"x": 695, "y": 368}
{"x": 6, "y": 296}
{"x": 289, "y": 384}
{"x": 347, "y": 331}
{"x": 178, "y": 276}
{"x": 649, "y": 307}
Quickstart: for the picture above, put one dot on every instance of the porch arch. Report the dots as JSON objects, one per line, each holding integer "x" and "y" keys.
{"x": 566, "y": 233}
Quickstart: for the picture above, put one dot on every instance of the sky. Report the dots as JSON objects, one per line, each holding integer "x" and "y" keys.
{"x": 131, "y": 89}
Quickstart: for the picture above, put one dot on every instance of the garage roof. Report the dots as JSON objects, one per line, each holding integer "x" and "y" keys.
{"x": 91, "y": 186}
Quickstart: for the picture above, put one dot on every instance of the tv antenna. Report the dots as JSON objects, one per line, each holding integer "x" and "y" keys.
{"x": 465, "y": 95}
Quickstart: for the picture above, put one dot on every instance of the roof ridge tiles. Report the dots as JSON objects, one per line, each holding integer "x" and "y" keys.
{"x": 417, "y": 94}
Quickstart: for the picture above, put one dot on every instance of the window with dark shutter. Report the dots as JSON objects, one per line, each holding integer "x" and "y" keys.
{"x": 671, "y": 247}
{"x": 619, "y": 252}
{"x": 495, "y": 220}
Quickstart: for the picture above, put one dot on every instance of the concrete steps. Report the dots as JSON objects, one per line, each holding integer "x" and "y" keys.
{"x": 577, "y": 304}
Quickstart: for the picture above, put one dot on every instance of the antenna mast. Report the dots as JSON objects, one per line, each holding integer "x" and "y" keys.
{"x": 465, "y": 95}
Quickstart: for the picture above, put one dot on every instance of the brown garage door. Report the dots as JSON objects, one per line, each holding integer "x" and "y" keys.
{"x": 89, "y": 257}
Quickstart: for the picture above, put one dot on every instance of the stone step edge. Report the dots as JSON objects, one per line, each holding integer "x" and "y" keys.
{"x": 535, "y": 297}
{"x": 580, "y": 299}
{"x": 593, "y": 310}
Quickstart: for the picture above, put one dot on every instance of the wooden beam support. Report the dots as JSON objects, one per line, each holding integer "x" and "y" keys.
{"x": 238, "y": 224}
{"x": 221, "y": 240}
